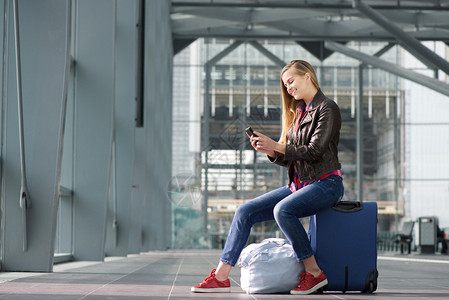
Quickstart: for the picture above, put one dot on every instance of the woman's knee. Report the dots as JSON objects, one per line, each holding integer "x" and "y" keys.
{"x": 281, "y": 210}
{"x": 242, "y": 214}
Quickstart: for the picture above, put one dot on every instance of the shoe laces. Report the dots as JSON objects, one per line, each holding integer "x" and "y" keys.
{"x": 302, "y": 278}
{"x": 210, "y": 277}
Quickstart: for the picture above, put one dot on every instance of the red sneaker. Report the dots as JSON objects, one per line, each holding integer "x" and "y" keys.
{"x": 309, "y": 284}
{"x": 212, "y": 285}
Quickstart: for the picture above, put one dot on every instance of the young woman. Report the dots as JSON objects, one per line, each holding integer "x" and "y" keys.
{"x": 308, "y": 148}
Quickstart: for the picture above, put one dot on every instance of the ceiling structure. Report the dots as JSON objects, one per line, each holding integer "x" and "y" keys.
{"x": 321, "y": 26}
{"x": 307, "y": 20}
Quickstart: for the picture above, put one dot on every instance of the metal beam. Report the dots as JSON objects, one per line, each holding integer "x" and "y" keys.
{"x": 280, "y": 4}
{"x": 278, "y": 34}
{"x": 223, "y": 53}
{"x": 384, "y": 49}
{"x": 412, "y": 45}
{"x": 316, "y": 49}
{"x": 431, "y": 83}
{"x": 268, "y": 54}
{"x": 359, "y": 138}
{"x": 206, "y": 137}
{"x": 181, "y": 44}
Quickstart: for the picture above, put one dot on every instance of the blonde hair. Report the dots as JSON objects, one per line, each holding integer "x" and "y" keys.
{"x": 289, "y": 104}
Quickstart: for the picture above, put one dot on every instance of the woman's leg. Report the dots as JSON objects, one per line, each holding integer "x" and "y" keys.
{"x": 257, "y": 210}
{"x": 222, "y": 271}
{"x": 311, "y": 266}
{"x": 306, "y": 202}
{"x": 303, "y": 203}
{"x": 254, "y": 211}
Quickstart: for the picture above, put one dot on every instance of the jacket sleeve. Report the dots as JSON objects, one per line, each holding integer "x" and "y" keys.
{"x": 327, "y": 126}
{"x": 279, "y": 159}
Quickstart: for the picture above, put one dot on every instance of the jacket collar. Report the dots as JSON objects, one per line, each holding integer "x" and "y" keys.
{"x": 317, "y": 99}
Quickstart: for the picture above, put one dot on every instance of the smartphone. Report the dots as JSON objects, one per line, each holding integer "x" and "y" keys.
{"x": 249, "y": 131}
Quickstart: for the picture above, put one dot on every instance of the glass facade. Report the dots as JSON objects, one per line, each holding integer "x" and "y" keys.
{"x": 216, "y": 175}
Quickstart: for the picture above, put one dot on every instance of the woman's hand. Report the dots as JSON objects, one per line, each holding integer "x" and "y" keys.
{"x": 266, "y": 145}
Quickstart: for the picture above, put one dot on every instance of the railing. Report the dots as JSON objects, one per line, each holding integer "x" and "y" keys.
{"x": 386, "y": 241}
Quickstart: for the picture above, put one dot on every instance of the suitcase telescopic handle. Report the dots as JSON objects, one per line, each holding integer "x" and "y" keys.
{"x": 348, "y": 206}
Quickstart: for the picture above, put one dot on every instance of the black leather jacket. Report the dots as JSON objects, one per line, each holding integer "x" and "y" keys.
{"x": 314, "y": 147}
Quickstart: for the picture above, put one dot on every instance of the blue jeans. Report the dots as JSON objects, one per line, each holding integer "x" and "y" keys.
{"x": 285, "y": 207}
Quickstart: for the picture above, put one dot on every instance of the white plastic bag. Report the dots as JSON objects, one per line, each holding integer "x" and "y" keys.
{"x": 269, "y": 267}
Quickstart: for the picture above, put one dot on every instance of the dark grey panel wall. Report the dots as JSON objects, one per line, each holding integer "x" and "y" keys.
{"x": 43, "y": 40}
{"x": 158, "y": 120}
{"x": 137, "y": 197}
{"x": 106, "y": 41}
{"x": 93, "y": 125}
{"x": 124, "y": 86}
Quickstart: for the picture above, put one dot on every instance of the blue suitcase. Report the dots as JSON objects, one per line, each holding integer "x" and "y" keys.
{"x": 344, "y": 240}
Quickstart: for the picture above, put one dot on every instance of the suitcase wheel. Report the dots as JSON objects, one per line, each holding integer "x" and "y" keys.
{"x": 370, "y": 287}
{"x": 321, "y": 290}
{"x": 371, "y": 282}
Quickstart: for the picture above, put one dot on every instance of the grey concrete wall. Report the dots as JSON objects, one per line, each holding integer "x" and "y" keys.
{"x": 101, "y": 109}
{"x": 94, "y": 84}
{"x": 158, "y": 125}
{"x": 42, "y": 43}
{"x": 118, "y": 224}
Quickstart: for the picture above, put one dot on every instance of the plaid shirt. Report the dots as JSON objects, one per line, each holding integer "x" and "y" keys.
{"x": 296, "y": 184}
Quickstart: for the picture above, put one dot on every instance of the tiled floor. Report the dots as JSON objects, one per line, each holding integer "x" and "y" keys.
{"x": 169, "y": 275}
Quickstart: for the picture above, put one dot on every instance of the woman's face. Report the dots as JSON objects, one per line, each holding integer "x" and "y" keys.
{"x": 295, "y": 84}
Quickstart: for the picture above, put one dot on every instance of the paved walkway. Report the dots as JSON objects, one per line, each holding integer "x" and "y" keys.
{"x": 170, "y": 274}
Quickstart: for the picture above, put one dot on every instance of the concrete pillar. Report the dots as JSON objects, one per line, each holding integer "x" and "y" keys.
{"x": 94, "y": 86}
{"x": 158, "y": 125}
{"x": 43, "y": 41}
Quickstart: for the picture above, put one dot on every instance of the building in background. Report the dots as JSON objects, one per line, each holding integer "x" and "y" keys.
{"x": 426, "y": 143}
{"x": 244, "y": 90}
